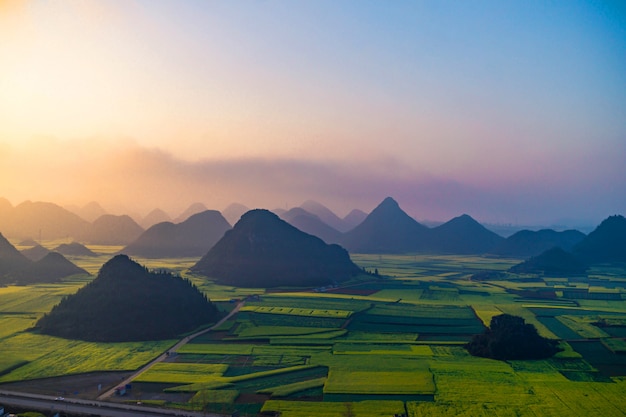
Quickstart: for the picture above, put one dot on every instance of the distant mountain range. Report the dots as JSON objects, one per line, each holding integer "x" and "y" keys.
{"x": 190, "y": 238}
{"x": 40, "y": 220}
{"x": 233, "y": 212}
{"x": 110, "y": 229}
{"x": 263, "y": 250}
{"x": 195, "y": 208}
{"x": 604, "y": 245}
{"x": 90, "y": 212}
{"x": 527, "y": 243}
{"x": 387, "y": 229}
{"x": 553, "y": 262}
{"x": 156, "y": 216}
{"x": 311, "y": 224}
{"x": 16, "y": 268}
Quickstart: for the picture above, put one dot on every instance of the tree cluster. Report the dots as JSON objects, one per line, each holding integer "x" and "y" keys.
{"x": 510, "y": 338}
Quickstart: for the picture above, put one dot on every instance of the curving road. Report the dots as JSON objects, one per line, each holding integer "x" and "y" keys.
{"x": 174, "y": 348}
{"x": 89, "y": 407}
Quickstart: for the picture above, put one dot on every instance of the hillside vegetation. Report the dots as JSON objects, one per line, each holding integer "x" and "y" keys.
{"x": 264, "y": 251}
{"x": 554, "y": 261}
{"x": 127, "y": 302}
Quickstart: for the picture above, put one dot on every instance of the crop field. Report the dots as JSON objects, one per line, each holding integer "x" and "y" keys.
{"x": 368, "y": 408}
{"x": 46, "y": 356}
{"x": 294, "y": 311}
{"x": 182, "y": 373}
{"x": 373, "y": 348}
{"x": 363, "y": 382}
{"x": 14, "y": 323}
{"x": 34, "y": 299}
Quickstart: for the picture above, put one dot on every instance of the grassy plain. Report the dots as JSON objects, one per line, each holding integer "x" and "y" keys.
{"x": 371, "y": 348}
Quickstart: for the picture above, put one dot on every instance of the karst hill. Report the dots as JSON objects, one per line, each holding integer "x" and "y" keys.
{"x": 10, "y": 258}
{"x": 462, "y": 235}
{"x": 527, "y": 243}
{"x": 191, "y": 238}
{"x": 110, "y": 229}
{"x": 311, "y": 224}
{"x": 555, "y": 262}
{"x": 607, "y": 243}
{"x": 127, "y": 302}
{"x": 387, "y": 229}
{"x": 263, "y": 250}
{"x": 51, "y": 268}
{"x": 74, "y": 249}
{"x": 16, "y": 268}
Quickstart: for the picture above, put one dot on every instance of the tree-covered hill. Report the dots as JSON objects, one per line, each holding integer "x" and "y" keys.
{"x": 554, "y": 261}
{"x": 607, "y": 243}
{"x": 10, "y": 258}
{"x": 264, "y": 251}
{"x": 16, "y": 268}
{"x": 51, "y": 268}
{"x": 127, "y": 302}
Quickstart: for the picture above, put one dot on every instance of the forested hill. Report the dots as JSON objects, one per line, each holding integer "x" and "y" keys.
{"x": 193, "y": 237}
{"x": 554, "y": 261}
{"x": 607, "y": 243}
{"x": 264, "y": 251}
{"x": 127, "y": 302}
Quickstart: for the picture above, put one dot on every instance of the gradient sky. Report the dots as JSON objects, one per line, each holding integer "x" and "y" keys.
{"x": 510, "y": 111}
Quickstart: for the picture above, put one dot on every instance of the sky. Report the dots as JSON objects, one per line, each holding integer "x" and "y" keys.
{"x": 510, "y": 111}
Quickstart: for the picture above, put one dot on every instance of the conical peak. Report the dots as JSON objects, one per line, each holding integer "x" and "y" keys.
{"x": 389, "y": 202}
{"x": 120, "y": 264}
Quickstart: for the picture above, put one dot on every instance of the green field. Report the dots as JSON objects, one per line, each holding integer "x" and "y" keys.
{"x": 372, "y": 348}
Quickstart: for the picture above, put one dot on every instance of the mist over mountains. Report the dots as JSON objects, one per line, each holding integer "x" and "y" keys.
{"x": 386, "y": 229}
{"x": 191, "y": 238}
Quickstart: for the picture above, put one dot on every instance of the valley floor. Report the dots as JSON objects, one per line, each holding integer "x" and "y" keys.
{"x": 377, "y": 347}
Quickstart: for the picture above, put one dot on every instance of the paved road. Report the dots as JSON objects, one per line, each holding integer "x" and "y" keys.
{"x": 174, "y": 348}
{"x": 46, "y": 403}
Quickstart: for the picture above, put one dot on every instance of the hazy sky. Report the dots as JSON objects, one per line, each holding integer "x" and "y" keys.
{"x": 510, "y": 111}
